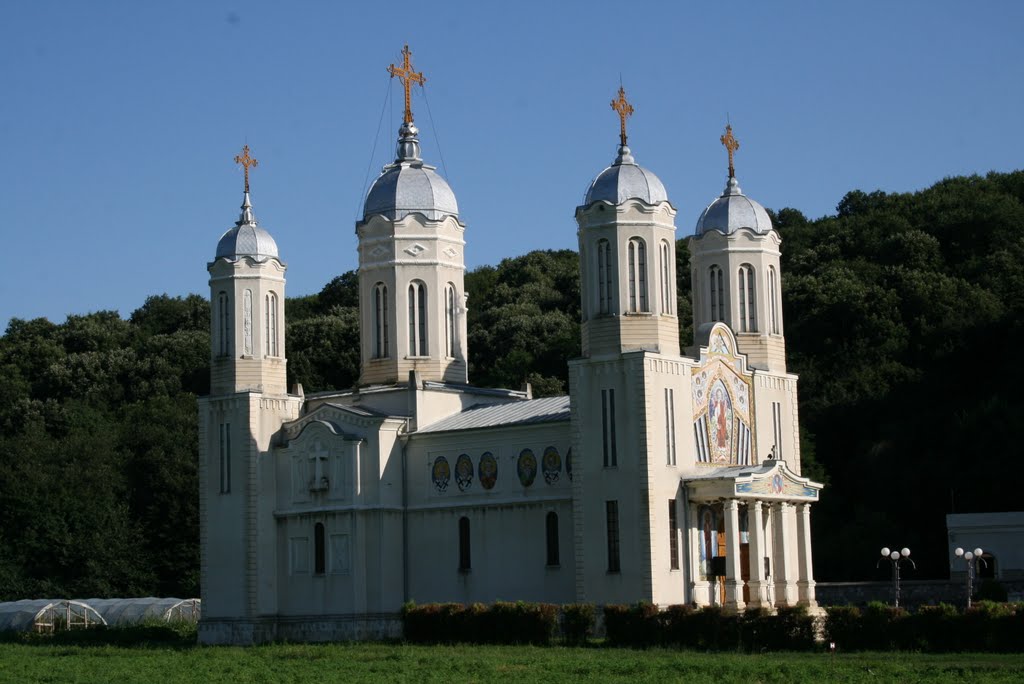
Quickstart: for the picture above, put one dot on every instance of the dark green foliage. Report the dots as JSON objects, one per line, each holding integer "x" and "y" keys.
{"x": 147, "y": 634}
{"x": 991, "y": 590}
{"x": 635, "y": 625}
{"x": 500, "y": 623}
{"x": 577, "y": 622}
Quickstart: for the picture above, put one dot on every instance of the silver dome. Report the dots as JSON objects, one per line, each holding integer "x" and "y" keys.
{"x": 623, "y": 180}
{"x": 246, "y": 238}
{"x": 732, "y": 211}
{"x": 409, "y": 186}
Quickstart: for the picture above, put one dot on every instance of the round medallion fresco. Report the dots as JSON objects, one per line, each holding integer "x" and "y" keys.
{"x": 441, "y": 473}
{"x": 488, "y": 471}
{"x": 568, "y": 463}
{"x": 463, "y": 472}
{"x": 526, "y": 467}
{"x": 552, "y": 467}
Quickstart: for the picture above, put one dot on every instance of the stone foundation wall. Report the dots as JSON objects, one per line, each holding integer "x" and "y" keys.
{"x": 306, "y": 628}
{"x": 912, "y": 592}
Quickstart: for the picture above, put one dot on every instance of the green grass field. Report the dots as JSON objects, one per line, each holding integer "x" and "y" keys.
{"x": 295, "y": 663}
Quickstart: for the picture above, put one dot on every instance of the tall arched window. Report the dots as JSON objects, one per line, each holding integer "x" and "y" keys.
{"x": 449, "y": 320}
{"x": 417, "y": 318}
{"x": 271, "y": 324}
{"x": 668, "y": 304}
{"x": 380, "y": 321}
{"x": 319, "y": 554}
{"x": 773, "y": 300}
{"x": 604, "y": 276}
{"x": 223, "y": 324}
{"x": 464, "y": 554}
{"x": 717, "y": 284}
{"x": 748, "y": 304}
{"x": 551, "y": 529}
{"x": 636, "y": 254}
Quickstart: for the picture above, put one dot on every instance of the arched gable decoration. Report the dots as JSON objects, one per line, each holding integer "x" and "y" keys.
{"x": 723, "y": 415}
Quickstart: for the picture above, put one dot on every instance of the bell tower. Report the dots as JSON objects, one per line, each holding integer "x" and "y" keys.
{"x": 735, "y": 272}
{"x": 246, "y": 407}
{"x": 627, "y": 257}
{"x": 412, "y": 304}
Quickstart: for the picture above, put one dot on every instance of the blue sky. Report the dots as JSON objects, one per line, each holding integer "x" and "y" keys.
{"x": 119, "y": 121}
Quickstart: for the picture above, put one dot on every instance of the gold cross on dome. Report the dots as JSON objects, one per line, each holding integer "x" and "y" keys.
{"x": 624, "y": 109}
{"x": 731, "y": 144}
{"x": 245, "y": 160}
{"x": 407, "y": 76}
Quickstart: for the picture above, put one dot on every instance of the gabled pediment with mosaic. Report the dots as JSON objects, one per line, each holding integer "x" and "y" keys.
{"x": 723, "y": 412}
{"x": 780, "y": 483}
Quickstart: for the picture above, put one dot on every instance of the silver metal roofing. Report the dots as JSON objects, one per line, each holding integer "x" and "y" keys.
{"x": 246, "y": 238}
{"x": 547, "y": 410}
{"x": 732, "y": 211}
{"x": 409, "y": 186}
{"x": 623, "y": 180}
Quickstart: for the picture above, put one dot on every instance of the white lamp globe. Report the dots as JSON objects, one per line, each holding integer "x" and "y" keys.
{"x": 969, "y": 555}
{"x": 885, "y": 551}
{"x": 977, "y": 552}
{"x": 904, "y": 552}
{"x": 958, "y": 552}
{"x": 894, "y": 555}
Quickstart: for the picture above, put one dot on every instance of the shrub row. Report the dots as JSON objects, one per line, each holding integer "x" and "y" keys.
{"x": 499, "y": 623}
{"x": 174, "y": 634}
{"x": 709, "y": 629}
{"x": 987, "y": 626}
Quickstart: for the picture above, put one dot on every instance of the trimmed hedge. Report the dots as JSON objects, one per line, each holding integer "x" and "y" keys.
{"x": 986, "y": 627}
{"x": 500, "y": 623}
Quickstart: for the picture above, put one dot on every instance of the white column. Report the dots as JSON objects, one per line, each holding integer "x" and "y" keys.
{"x": 805, "y": 567}
{"x": 785, "y": 584}
{"x": 733, "y": 568}
{"x": 699, "y": 589}
{"x": 757, "y": 584}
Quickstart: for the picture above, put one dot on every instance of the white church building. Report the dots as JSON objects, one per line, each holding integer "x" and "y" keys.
{"x": 663, "y": 476}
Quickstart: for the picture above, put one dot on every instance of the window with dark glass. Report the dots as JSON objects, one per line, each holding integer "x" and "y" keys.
{"x": 551, "y": 525}
{"x": 464, "y": 554}
{"x": 319, "y": 553}
{"x": 673, "y": 538}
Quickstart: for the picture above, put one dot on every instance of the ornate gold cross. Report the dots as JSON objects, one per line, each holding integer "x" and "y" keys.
{"x": 245, "y": 160}
{"x": 407, "y": 76}
{"x": 624, "y": 109}
{"x": 731, "y": 144}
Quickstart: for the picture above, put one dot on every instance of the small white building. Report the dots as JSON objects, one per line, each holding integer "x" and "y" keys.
{"x": 1000, "y": 536}
{"x": 662, "y": 477}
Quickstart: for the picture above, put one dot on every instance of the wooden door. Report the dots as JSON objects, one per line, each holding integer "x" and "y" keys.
{"x": 745, "y": 570}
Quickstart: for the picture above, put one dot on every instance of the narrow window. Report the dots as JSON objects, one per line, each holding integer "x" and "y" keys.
{"x": 777, "y": 428}
{"x": 670, "y": 425}
{"x": 223, "y": 324}
{"x": 225, "y": 458}
{"x": 319, "y": 555}
{"x": 773, "y": 300}
{"x": 673, "y": 536}
{"x": 636, "y": 255}
{"x": 604, "y": 276}
{"x": 668, "y": 304}
{"x": 551, "y": 526}
{"x": 611, "y": 456}
{"x": 464, "y": 555}
{"x": 449, "y": 320}
{"x": 717, "y": 293}
{"x": 380, "y": 321}
{"x": 271, "y": 324}
{"x": 748, "y": 306}
{"x": 417, "y": 318}
{"x": 611, "y": 510}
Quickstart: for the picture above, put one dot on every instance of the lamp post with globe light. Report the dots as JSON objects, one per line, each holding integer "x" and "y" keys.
{"x": 972, "y": 557}
{"x": 896, "y": 557}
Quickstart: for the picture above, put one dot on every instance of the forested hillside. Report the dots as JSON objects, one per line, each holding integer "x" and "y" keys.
{"x": 902, "y": 316}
